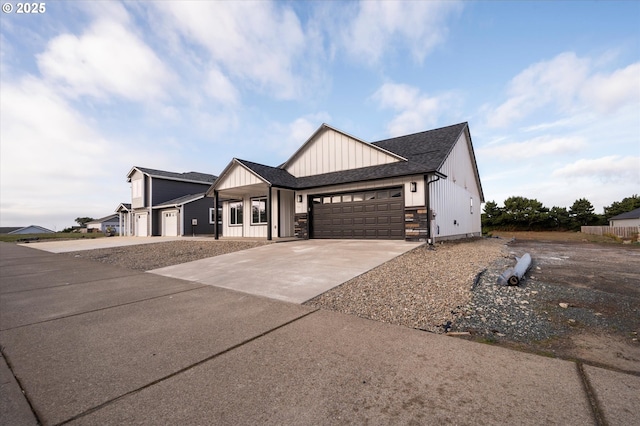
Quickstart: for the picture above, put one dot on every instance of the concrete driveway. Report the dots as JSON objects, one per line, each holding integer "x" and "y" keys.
{"x": 66, "y": 246}
{"x": 294, "y": 271}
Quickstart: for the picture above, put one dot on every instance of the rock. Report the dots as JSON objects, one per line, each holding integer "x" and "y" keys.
{"x": 563, "y": 305}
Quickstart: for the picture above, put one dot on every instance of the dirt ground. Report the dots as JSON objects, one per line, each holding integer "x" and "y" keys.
{"x": 600, "y": 283}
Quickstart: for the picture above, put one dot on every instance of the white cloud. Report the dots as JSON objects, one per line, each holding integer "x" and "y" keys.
{"x": 220, "y": 88}
{"x": 53, "y": 162}
{"x": 416, "y": 111}
{"x": 536, "y": 147}
{"x": 262, "y": 42}
{"x": 607, "y": 93}
{"x": 610, "y": 169}
{"x": 287, "y": 138}
{"x": 380, "y": 26}
{"x": 106, "y": 60}
{"x": 566, "y": 84}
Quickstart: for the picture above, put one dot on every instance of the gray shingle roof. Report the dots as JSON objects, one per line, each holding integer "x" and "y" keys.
{"x": 274, "y": 175}
{"x": 188, "y": 176}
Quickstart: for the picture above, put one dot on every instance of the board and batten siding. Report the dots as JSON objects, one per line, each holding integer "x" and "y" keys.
{"x": 333, "y": 151}
{"x": 411, "y": 199}
{"x": 238, "y": 176}
{"x": 137, "y": 190}
{"x": 456, "y": 198}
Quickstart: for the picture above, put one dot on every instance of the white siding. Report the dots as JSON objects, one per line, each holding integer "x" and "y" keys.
{"x": 286, "y": 218}
{"x": 451, "y": 198}
{"x": 411, "y": 199}
{"x": 137, "y": 190}
{"x": 333, "y": 151}
{"x": 238, "y": 176}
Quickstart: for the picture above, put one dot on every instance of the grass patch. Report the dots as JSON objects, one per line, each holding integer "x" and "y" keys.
{"x": 15, "y": 238}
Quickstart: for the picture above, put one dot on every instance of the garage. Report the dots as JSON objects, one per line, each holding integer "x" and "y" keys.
{"x": 170, "y": 223}
{"x": 372, "y": 214}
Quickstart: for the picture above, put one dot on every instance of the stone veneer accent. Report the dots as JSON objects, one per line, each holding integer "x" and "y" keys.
{"x": 301, "y": 226}
{"x": 415, "y": 224}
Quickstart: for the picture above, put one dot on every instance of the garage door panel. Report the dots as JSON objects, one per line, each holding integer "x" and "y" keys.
{"x": 370, "y": 215}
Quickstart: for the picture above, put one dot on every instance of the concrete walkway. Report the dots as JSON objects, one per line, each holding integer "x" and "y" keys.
{"x": 87, "y": 343}
{"x": 294, "y": 271}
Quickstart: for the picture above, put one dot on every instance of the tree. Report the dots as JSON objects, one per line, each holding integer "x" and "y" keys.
{"x": 559, "y": 217}
{"x": 82, "y": 221}
{"x": 492, "y": 215}
{"x": 626, "y": 205}
{"x": 581, "y": 213}
{"x": 524, "y": 212}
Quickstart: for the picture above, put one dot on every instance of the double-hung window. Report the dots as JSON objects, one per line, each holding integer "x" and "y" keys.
{"x": 258, "y": 211}
{"x": 235, "y": 213}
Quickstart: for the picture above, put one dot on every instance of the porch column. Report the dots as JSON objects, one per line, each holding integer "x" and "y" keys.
{"x": 215, "y": 214}
{"x": 269, "y": 214}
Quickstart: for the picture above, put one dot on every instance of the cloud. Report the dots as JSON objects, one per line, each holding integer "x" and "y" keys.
{"x": 379, "y": 27}
{"x": 287, "y": 138}
{"x": 416, "y": 111}
{"x": 219, "y": 87}
{"x": 611, "y": 169}
{"x": 540, "y": 146}
{"x": 108, "y": 59}
{"x": 566, "y": 84}
{"x": 51, "y": 153}
{"x": 261, "y": 43}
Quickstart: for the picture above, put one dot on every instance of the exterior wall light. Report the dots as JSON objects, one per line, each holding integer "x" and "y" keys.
{"x": 299, "y": 198}
{"x": 413, "y": 187}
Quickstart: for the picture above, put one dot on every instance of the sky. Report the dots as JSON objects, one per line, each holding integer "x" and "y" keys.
{"x": 90, "y": 89}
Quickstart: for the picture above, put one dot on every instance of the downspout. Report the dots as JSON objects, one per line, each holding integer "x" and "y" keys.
{"x": 181, "y": 220}
{"x": 215, "y": 214}
{"x": 427, "y": 203}
{"x": 269, "y": 237}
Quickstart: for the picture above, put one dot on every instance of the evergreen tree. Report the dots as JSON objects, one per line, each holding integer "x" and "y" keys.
{"x": 626, "y": 205}
{"x": 559, "y": 217}
{"x": 492, "y": 215}
{"x": 582, "y": 213}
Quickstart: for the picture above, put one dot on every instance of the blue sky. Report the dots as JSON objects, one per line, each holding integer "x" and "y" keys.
{"x": 551, "y": 91}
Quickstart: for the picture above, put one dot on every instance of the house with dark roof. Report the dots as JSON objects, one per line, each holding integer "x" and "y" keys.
{"x": 167, "y": 203}
{"x": 424, "y": 186}
{"x": 31, "y": 229}
{"x": 631, "y": 218}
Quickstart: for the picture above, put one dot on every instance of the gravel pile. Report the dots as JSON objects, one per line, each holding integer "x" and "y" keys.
{"x": 145, "y": 257}
{"x": 423, "y": 289}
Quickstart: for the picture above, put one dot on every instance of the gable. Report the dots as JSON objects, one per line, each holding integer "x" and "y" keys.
{"x": 460, "y": 166}
{"x": 236, "y": 175}
{"x": 330, "y": 150}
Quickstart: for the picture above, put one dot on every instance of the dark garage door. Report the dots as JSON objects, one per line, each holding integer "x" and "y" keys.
{"x": 377, "y": 214}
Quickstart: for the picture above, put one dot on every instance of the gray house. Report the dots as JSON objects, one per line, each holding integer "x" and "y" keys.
{"x": 31, "y": 229}
{"x": 422, "y": 186}
{"x": 631, "y": 218}
{"x": 103, "y": 224}
{"x": 165, "y": 203}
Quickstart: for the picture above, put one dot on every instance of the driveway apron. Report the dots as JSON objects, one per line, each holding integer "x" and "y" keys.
{"x": 293, "y": 271}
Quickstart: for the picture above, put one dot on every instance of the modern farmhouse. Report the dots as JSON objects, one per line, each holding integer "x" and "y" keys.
{"x": 423, "y": 186}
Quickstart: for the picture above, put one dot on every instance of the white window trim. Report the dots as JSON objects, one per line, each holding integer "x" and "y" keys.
{"x": 232, "y": 217}
{"x": 265, "y": 210}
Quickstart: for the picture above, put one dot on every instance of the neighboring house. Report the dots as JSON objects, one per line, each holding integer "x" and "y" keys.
{"x": 631, "y": 218}
{"x": 188, "y": 215}
{"x": 125, "y": 219}
{"x": 103, "y": 224}
{"x": 32, "y": 229}
{"x": 338, "y": 186}
{"x": 9, "y": 229}
{"x": 152, "y": 189}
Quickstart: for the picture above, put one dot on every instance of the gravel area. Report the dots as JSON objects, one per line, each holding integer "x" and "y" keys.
{"x": 145, "y": 257}
{"x": 424, "y": 288}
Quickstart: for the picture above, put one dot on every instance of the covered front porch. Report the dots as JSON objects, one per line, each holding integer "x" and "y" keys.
{"x": 255, "y": 204}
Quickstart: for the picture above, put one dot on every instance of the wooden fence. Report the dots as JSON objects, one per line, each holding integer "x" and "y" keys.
{"x": 620, "y": 231}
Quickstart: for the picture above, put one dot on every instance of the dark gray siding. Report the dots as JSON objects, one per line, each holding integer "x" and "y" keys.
{"x": 198, "y": 210}
{"x": 165, "y": 190}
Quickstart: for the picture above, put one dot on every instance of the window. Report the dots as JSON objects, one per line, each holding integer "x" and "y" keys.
{"x": 358, "y": 197}
{"x": 136, "y": 187}
{"x": 212, "y": 218}
{"x": 235, "y": 213}
{"x": 258, "y": 211}
{"x": 471, "y": 205}
{"x": 346, "y": 198}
